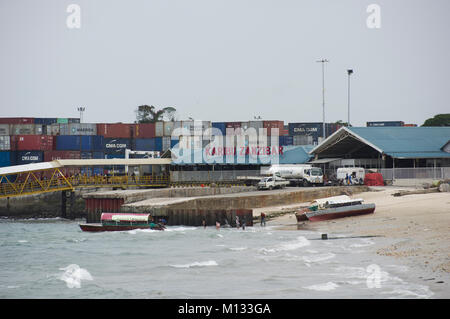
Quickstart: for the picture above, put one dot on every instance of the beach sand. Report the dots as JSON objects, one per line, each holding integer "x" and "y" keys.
{"x": 419, "y": 226}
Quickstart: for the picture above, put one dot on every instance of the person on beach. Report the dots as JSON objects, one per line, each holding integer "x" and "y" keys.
{"x": 217, "y": 225}
{"x": 204, "y": 223}
{"x": 263, "y": 219}
{"x": 243, "y": 224}
{"x": 237, "y": 222}
{"x": 346, "y": 179}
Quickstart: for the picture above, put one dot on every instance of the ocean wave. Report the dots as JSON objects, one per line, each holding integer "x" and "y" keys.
{"x": 197, "y": 264}
{"x": 73, "y": 275}
{"x": 323, "y": 287}
{"x": 318, "y": 258}
{"x": 238, "y": 248}
{"x": 291, "y": 245}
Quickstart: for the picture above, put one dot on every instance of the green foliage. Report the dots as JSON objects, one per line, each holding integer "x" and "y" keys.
{"x": 149, "y": 114}
{"x": 438, "y": 120}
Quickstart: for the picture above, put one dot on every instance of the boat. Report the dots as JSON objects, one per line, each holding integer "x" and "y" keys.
{"x": 122, "y": 222}
{"x": 334, "y": 207}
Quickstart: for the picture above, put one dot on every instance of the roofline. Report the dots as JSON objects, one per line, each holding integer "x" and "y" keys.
{"x": 315, "y": 149}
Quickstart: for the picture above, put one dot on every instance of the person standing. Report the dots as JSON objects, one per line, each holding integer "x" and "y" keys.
{"x": 237, "y": 222}
{"x": 217, "y": 225}
{"x": 263, "y": 219}
{"x": 204, "y": 223}
{"x": 243, "y": 224}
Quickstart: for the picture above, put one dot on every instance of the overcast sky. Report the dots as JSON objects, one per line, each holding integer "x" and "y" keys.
{"x": 225, "y": 60}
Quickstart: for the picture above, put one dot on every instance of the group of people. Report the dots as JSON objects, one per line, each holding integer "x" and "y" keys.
{"x": 239, "y": 223}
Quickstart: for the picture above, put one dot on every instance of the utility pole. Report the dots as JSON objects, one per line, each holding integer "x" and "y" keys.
{"x": 349, "y": 72}
{"x": 81, "y": 109}
{"x": 323, "y": 61}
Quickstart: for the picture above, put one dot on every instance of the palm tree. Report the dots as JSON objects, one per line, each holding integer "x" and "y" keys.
{"x": 149, "y": 114}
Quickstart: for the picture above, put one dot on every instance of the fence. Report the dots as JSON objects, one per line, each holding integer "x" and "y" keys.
{"x": 415, "y": 173}
{"x": 210, "y": 176}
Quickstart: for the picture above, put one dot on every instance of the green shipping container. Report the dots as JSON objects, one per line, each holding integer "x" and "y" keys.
{"x": 62, "y": 120}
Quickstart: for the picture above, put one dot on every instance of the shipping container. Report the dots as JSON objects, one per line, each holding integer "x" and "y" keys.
{"x": 220, "y": 126}
{"x": 33, "y": 142}
{"x": 26, "y": 129}
{"x": 233, "y": 124}
{"x": 73, "y": 120}
{"x": 79, "y": 143}
{"x": 5, "y": 159}
{"x": 78, "y": 129}
{"x": 116, "y": 144}
{"x": 145, "y": 144}
{"x": 143, "y": 130}
{"x": 256, "y": 125}
{"x": 4, "y": 129}
{"x": 286, "y": 140}
{"x": 158, "y": 144}
{"x": 303, "y": 140}
{"x": 165, "y": 143}
{"x": 313, "y": 129}
{"x": 159, "y": 129}
{"x": 45, "y": 120}
{"x": 115, "y": 130}
{"x": 168, "y": 128}
{"x": 5, "y": 143}
{"x": 385, "y": 123}
{"x": 270, "y": 125}
{"x": 57, "y": 155}
{"x": 28, "y": 157}
{"x": 410, "y": 125}
{"x": 115, "y": 154}
{"x": 16, "y": 120}
{"x": 62, "y": 120}
{"x": 53, "y": 129}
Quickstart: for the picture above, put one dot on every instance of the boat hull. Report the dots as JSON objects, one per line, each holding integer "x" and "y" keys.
{"x": 101, "y": 228}
{"x": 339, "y": 212}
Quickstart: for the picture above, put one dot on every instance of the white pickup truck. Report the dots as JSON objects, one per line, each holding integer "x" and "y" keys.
{"x": 272, "y": 182}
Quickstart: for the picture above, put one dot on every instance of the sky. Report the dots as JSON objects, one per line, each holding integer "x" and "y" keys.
{"x": 225, "y": 60}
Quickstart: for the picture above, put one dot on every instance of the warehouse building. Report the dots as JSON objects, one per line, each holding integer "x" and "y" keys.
{"x": 385, "y": 147}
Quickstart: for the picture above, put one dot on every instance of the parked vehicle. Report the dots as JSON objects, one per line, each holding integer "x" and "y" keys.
{"x": 272, "y": 182}
{"x": 298, "y": 174}
{"x": 350, "y": 175}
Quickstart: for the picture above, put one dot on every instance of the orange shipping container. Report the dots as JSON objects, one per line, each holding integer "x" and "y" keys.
{"x": 143, "y": 130}
{"x": 116, "y": 130}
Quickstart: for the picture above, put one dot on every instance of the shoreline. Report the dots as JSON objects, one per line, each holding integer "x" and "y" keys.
{"x": 415, "y": 228}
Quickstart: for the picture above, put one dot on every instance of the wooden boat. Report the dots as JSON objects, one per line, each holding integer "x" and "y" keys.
{"x": 122, "y": 222}
{"x": 334, "y": 207}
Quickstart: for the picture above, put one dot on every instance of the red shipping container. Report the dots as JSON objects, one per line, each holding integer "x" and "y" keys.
{"x": 410, "y": 125}
{"x": 32, "y": 142}
{"x": 233, "y": 124}
{"x": 16, "y": 120}
{"x": 143, "y": 130}
{"x": 57, "y": 155}
{"x": 116, "y": 130}
{"x": 269, "y": 125}
{"x": 284, "y": 132}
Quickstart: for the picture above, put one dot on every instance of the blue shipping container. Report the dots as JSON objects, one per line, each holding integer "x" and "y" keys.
{"x": 113, "y": 144}
{"x": 115, "y": 155}
{"x": 72, "y": 143}
{"x": 146, "y": 144}
{"x": 158, "y": 144}
{"x": 28, "y": 157}
{"x": 221, "y": 126}
{"x": 286, "y": 140}
{"x": 5, "y": 159}
{"x": 45, "y": 120}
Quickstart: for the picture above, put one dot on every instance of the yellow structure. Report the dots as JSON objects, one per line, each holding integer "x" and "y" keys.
{"x": 27, "y": 179}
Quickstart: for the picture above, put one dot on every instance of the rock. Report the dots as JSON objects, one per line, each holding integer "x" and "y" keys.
{"x": 445, "y": 187}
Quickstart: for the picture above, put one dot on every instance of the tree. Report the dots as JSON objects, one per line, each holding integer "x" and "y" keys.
{"x": 341, "y": 123}
{"x": 438, "y": 120}
{"x": 149, "y": 114}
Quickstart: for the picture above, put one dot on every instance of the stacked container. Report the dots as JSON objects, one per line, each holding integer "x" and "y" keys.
{"x": 78, "y": 129}
{"x": 269, "y": 125}
{"x": 116, "y": 130}
{"x": 33, "y": 142}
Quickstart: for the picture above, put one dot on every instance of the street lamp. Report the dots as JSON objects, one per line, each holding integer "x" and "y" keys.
{"x": 81, "y": 109}
{"x": 349, "y": 72}
{"x": 323, "y": 61}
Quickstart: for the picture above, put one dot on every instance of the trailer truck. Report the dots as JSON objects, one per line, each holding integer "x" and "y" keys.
{"x": 297, "y": 174}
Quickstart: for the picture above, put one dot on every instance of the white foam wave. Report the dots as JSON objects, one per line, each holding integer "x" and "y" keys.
{"x": 318, "y": 258}
{"x": 238, "y": 248}
{"x": 22, "y": 241}
{"x": 73, "y": 275}
{"x": 364, "y": 243}
{"x": 323, "y": 287}
{"x": 197, "y": 264}
{"x": 291, "y": 245}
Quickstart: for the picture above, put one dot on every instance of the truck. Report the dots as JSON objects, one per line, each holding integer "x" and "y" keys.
{"x": 298, "y": 174}
{"x": 356, "y": 175}
{"x": 271, "y": 182}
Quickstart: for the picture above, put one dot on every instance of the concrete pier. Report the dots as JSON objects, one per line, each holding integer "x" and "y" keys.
{"x": 189, "y": 206}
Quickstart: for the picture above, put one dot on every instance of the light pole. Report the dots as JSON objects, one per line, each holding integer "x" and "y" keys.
{"x": 81, "y": 109}
{"x": 349, "y": 72}
{"x": 323, "y": 61}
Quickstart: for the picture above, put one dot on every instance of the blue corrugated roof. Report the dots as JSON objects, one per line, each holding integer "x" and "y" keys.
{"x": 407, "y": 142}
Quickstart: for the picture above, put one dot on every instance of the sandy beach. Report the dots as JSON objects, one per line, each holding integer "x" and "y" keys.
{"x": 419, "y": 226}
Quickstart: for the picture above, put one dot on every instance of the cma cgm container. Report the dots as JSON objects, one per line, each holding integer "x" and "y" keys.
{"x": 16, "y": 120}
{"x": 28, "y": 157}
{"x": 5, "y": 143}
{"x": 33, "y": 142}
{"x": 116, "y": 144}
{"x": 79, "y": 143}
{"x": 115, "y": 130}
{"x": 78, "y": 129}
{"x": 57, "y": 155}
{"x": 269, "y": 125}
{"x": 385, "y": 123}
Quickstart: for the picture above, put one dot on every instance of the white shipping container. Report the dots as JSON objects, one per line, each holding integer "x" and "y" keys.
{"x": 4, "y": 129}
{"x": 302, "y": 140}
{"x": 159, "y": 129}
{"x": 5, "y": 143}
{"x": 78, "y": 129}
{"x": 54, "y": 129}
{"x": 26, "y": 129}
{"x": 165, "y": 143}
{"x": 168, "y": 128}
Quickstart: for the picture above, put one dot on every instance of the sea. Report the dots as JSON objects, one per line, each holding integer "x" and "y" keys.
{"x": 53, "y": 258}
